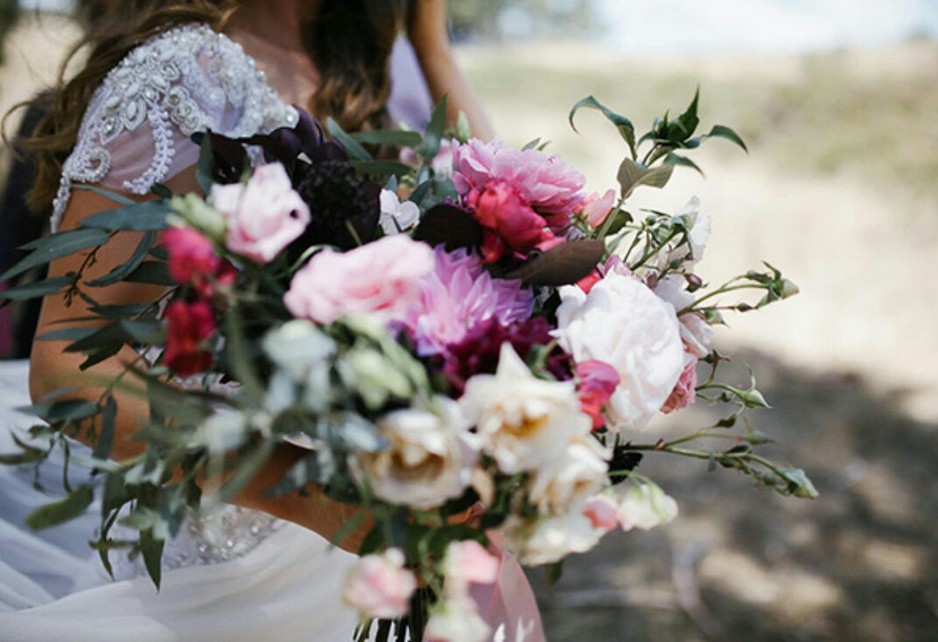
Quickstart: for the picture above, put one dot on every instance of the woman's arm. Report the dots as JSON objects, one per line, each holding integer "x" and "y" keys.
{"x": 52, "y": 369}
{"x": 427, "y": 32}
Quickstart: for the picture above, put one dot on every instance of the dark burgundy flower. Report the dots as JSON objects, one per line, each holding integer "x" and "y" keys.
{"x": 478, "y": 352}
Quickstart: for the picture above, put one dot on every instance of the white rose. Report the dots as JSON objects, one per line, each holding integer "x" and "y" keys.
{"x": 430, "y": 458}
{"x": 695, "y": 332}
{"x": 550, "y": 539}
{"x": 572, "y": 478}
{"x": 623, "y": 323}
{"x": 524, "y": 422}
{"x": 644, "y": 506}
{"x": 456, "y": 621}
{"x": 395, "y": 215}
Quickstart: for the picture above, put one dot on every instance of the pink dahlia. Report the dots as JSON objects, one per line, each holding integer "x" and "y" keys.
{"x": 551, "y": 187}
{"x": 457, "y": 296}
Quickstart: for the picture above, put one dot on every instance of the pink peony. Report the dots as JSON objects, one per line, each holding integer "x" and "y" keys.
{"x": 188, "y": 326}
{"x": 458, "y": 295}
{"x": 264, "y": 216}
{"x": 597, "y": 382}
{"x": 379, "y": 586}
{"x": 546, "y": 182}
{"x": 383, "y": 279}
{"x": 684, "y": 393}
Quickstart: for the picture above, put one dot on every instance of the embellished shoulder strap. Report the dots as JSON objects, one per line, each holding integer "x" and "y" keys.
{"x": 136, "y": 130}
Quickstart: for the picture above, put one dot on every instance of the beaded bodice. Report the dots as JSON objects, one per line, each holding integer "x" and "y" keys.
{"x": 137, "y": 128}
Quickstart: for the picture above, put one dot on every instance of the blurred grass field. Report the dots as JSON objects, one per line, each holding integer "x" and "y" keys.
{"x": 840, "y": 190}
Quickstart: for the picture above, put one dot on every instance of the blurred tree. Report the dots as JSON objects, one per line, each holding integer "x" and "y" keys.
{"x": 500, "y": 18}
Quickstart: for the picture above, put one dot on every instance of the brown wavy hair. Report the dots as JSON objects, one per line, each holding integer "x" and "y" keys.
{"x": 350, "y": 42}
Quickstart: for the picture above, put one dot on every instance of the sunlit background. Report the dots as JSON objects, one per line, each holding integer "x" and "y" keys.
{"x": 838, "y": 102}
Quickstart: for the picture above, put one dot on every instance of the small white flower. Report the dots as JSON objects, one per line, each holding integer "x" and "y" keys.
{"x": 644, "y": 506}
{"x": 621, "y": 322}
{"x": 430, "y": 458}
{"x": 297, "y": 347}
{"x": 456, "y": 621}
{"x": 397, "y": 216}
{"x": 524, "y": 422}
{"x": 572, "y": 478}
{"x": 695, "y": 332}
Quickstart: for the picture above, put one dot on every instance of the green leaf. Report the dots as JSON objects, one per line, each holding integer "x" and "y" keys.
{"x": 632, "y": 174}
{"x": 683, "y": 161}
{"x": 436, "y": 128}
{"x": 533, "y": 144}
{"x": 152, "y": 273}
{"x": 36, "y": 289}
{"x": 61, "y": 511}
{"x": 392, "y": 137}
{"x": 28, "y": 454}
{"x": 54, "y": 246}
{"x": 124, "y": 270}
{"x": 105, "y": 442}
{"x": 104, "y": 336}
{"x": 624, "y": 126}
{"x": 381, "y": 168}
{"x": 244, "y": 470}
{"x": 798, "y": 483}
{"x": 352, "y": 147}
{"x": 688, "y": 121}
{"x": 68, "y": 410}
{"x": 121, "y": 199}
{"x": 152, "y": 550}
{"x": 146, "y": 216}
{"x": 721, "y": 131}
{"x": 241, "y": 363}
{"x": 67, "y": 334}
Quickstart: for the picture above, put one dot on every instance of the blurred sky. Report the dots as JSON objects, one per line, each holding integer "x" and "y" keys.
{"x": 728, "y": 26}
{"x": 765, "y": 26}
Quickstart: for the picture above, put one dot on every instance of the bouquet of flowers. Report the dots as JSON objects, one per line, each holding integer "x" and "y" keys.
{"x": 470, "y": 347}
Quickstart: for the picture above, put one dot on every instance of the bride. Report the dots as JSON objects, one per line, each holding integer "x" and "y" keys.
{"x": 263, "y": 567}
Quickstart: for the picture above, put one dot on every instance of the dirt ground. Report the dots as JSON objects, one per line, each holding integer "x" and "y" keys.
{"x": 840, "y": 190}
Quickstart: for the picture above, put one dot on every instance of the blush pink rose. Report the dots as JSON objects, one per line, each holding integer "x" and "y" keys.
{"x": 188, "y": 326}
{"x": 381, "y": 279}
{"x": 684, "y": 393}
{"x": 262, "y": 217}
{"x": 379, "y": 586}
{"x": 602, "y": 512}
{"x": 596, "y": 208}
{"x": 597, "y": 381}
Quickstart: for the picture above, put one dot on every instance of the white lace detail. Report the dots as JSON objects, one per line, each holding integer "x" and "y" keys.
{"x": 228, "y": 533}
{"x": 187, "y": 80}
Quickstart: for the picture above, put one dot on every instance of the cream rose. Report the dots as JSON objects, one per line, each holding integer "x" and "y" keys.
{"x": 524, "y": 422}
{"x": 550, "y": 539}
{"x": 578, "y": 474}
{"x": 621, "y": 322}
{"x": 430, "y": 458}
{"x": 645, "y": 506}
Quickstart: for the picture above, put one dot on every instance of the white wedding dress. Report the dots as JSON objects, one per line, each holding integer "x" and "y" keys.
{"x": 236, "y": 575}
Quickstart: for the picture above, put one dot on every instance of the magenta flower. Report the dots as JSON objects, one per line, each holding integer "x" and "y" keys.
{"x": 188, "y": 328}
{"x": 551, "y": 187}
{"x": 457, "y": 296}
